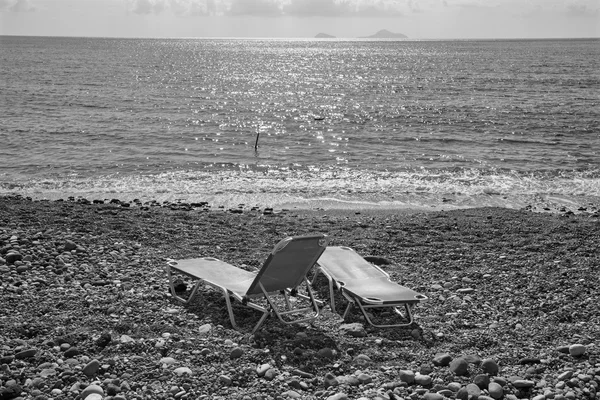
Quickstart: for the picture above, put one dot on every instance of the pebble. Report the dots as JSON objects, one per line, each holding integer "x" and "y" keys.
{"x": 236, "y": 353}
{"x": 442, "y": 359}
{"x": 91, "y": 368}
{"x": 92, "y": 389}
{"x": 338, "y": 396}
{"x": 459, "y": 366}
{"x": 182, "y": 371}
{"x": 577, "y": 350}
{"x": 355, "y": 329}
{"x": 406, "y": 376}
{"x": 489, "y": 366}
{"x": 495, "y": 390}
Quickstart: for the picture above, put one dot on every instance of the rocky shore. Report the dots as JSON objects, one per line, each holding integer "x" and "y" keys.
{"x": 85, "y": 311}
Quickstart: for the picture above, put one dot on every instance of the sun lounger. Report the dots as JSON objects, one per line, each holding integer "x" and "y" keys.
{"x": 365, "y": 285}
{"x": 284, "y": 270}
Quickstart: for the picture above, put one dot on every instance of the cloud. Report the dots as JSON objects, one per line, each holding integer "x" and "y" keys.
{"x": 263, "y": 8}
{"x": 275, "y": 8}
{"x": 16, "y": 5}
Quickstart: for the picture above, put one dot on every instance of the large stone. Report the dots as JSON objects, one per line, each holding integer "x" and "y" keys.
{"x": 459, "y": 366}
{"x": 489, "y": 366}
{"x": 330, "y": 380}
{"x": 355, "y": 329}
{"x": 91, "y": 368}
{"x": 13, "y": 257}
{"x": 182, "y": 371}
{"x": 92, "y": 389}
{"x": 432, "y": 396}
{"x": 442, "y": 359}
{"x": 495, "y": 390}
{"x": 577, "y": 350}
{"x": 482, "y": 380}
{"x": 423, "y": 380}
{"x": 406, "y": 376}
{"x": 473, "y": 390}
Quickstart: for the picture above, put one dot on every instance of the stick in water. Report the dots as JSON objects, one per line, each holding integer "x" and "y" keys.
{"x": 256, "y": 143}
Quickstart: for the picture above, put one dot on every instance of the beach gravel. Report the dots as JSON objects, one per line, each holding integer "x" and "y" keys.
{"x": 86, "y": 311}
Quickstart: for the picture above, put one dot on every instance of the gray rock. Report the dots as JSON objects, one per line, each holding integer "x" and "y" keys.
{"x": 523, "y": 383}
{"x": 495, "y": 390}
{"x": 482, "y": 380}
{"x": 433, "y": 396}
{"x": 182, "y": 371}
{"x": 271, "y": 374}
{"x": 355, "y": 329}
{"x": 29, "y": 353}
{"x": 489, "y": 366}
{"x": 338, "y": 396}
{"x": 423, "y": 380}
{"x": 362, "y": 360}
{"x": 330, "y": 380}
{"x": 406, "y": 376}
{"x": 577, "y": 350}
{"x": 473, "y": 390}
{"x": 236, "y": 353}
{"x": 92, "y": 389}
{"x": 225, "y": 380}
{"x": 91, "y": 368}
{"x": 459, "y": 366}
{"x": 442, "y": 359}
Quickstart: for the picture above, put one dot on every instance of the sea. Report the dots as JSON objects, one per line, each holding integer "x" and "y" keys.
{"x": 302, "y": 123}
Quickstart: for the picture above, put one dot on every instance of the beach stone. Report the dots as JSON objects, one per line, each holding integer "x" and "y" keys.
{"x": 236, "y": 353}
{"x": 495, "y": 390}
{"x": 70, "y": 352}
{"x": 25, "y": 354}
{"x": 563, "y": 349}
{"x": 364, "y": 379}
{"x": 182, "y": 371}
{"x": 565, "y": 375}
{"x": 406, "y": 376}
{"x": 271, "y": 374}
{"x": 168, "y": 360}
{"x": 523, "y": 383}
{"x": 454, "y": 386}
{"x": 459, "y": 366}
{"x": 91, "y": 368}
{"x": 577, "y": 350}
{"x": 362, "y": 360}
{"x": 291, "y": 394}
{"x": 473, "y": 390}
{"x": 126, "y": 339}
{"x": 423, "y": 380}
{"x": 482, "y": 380}
{"x": 338, "y": 396}
{"x": 489, "y": 366}
{"x": 355, "y": 329}
{"x": 442, "y": 359}
{"x": 330, "y": 380}
{"x": 262, "y": 369}
{"x": 205, "y": 329}
{"x": 433, "y": 396}
{"x": 11, "y": 390}
{"x": 92, "y": 389}
{"x": 225, "y": 380}
{"x": 13, "y": 257}
{"x": 325, "y": 353}
{"x": 462, "y": 394}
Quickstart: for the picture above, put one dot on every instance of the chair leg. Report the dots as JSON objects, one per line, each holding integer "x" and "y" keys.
{"x": 408, "y": 317}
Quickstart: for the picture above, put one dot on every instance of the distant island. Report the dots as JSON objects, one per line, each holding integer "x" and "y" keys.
{"x": 385, "y": 34}
{"x": 382, "y": 34}
{"x": 324, "y": 36}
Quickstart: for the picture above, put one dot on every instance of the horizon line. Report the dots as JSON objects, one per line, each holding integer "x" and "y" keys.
{"x": 332, "y": 38}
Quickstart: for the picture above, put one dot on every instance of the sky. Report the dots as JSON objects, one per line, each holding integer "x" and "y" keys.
{"x": 418, "y": 19}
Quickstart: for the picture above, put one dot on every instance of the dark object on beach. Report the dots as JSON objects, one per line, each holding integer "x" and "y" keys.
{"x": 103, "y": 340}
{"x": 377, "y": 260}
{"x": 179, "y": 285}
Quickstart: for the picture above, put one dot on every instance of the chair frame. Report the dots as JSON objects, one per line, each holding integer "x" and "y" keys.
{"x": 271, "y": 308}
{"x": 363, "y": 303}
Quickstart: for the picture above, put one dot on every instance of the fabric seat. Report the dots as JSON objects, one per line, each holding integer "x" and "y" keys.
{"x": 284, "y": 270}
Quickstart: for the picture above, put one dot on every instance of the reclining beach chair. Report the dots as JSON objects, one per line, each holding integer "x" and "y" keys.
{"x": 284, "y": 270}
{"x": 365, "y": 285}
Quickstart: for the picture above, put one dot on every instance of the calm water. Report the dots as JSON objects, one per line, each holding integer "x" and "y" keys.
{"x": 339, "y": 123}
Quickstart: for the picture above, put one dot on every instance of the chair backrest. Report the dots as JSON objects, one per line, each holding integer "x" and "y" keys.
{"x": 289, "y": 262}
{"x": 344, "y": 264}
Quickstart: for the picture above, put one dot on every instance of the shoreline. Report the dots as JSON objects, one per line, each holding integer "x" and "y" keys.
{"x": 516, "y": 287}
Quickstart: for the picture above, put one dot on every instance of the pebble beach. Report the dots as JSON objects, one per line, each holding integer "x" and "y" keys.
{"x": 86, "y": 311}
